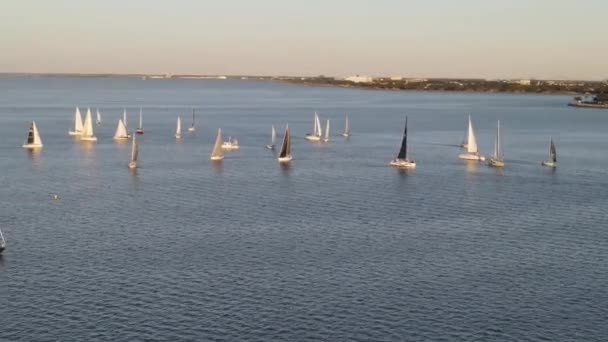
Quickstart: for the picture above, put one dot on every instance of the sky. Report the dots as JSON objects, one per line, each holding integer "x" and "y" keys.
{"x": 542, "y": 39}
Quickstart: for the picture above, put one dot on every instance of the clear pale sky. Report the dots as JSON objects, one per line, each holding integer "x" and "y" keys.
{"x": 543, "y": 39}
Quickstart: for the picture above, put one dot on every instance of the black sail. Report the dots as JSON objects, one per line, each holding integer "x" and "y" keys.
{"x": 30, "y": 135}
{"x": 552, "y": 152}
{"x": 286, "y": 147}
{"x": 403, "y": 151}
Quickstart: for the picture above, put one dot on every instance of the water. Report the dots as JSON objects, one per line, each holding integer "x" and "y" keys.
{"x": 338, "y": 247}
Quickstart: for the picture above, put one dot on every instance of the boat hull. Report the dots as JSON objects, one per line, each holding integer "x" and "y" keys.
{"x": 139, "y": 131}
{"x": 496, "y": 162}
{"x": 286, "y": 159}
{"x": 472, "y": 156}
{"x": 74, "y": 133}
{"x": 132, "y": 165}
{"x": 311, "y": 137}
{"x": 216, "y": 158}
{"x": 122, "y": 138}
{"x": 31, "y": 146}
{"x": 549, "y": 163}
{"x": 191, "y": 129}
{"x": 346, "y": 135}
{"x": 403, "y": 163}
{"x": 270, "y": 147}
{"x": 88, "y": 138}
{"x": 229, "y": 147}
{"x": 178, "y": 136}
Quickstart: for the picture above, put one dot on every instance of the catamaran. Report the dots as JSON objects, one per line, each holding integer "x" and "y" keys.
{"x": 472, "y": 151}
{"x": 98, "y": 122}
{"x": 77, "y": 123}
{"x": 87, "y": 132}
{"x": 217, "y": 153}
{"x": 33, "y": 137}
{"x": 497, "y": 159}
{"x": 402, "y": 160}
{"x": 121, "y": 131}
{"x": 552, "y": 161}
{"x": 231, "y": 144}
{"x": 285, "y": 154}
{"x": 316, "y": 130}
{"x": 326, "y": 137}
{"x": 134, "y": 154}
{"x": 273, "y": 137}
{"x": 178, "y": 128}
{"x": 346, "y": 133}
{"x": 2, "y": 242}
{"x": 140, "y": 129}
{"x": 192, "y": 128}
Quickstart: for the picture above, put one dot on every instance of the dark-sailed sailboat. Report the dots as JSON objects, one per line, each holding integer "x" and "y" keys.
{"x": 402, "y": 160}
{"x": 552, "y": 161}
{"x": 2, "y": 242}
{"x": 191, "y": 128}
{"x": 285, "y": 154}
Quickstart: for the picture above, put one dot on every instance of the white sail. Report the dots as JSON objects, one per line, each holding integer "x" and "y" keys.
{"x": 77, "y": 123}
{"x": 498, "y": 144}
{"x": 98, "y": 117}
{"x": 273, "y": 136}
{"x": 124, "y": 120}
{"x": 178, "y": 128}
{"x": 326, "y": 131}
{"x": 87, "y": 132}
{"x": 217, "y": 153}
{"x": 472, "y": 141}
{"x": 318, "y": 129}
{"x": 37, "y": 140}
{"x": 134, "y": 150}
{"x": 121, "y": 131}
{"x": 346, "y": 127}
{"x": 140, "y": 119}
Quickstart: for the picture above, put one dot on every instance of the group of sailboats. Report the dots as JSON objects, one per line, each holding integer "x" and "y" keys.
{"x": 317, "y": 130}
{"x": 84, "y": 131}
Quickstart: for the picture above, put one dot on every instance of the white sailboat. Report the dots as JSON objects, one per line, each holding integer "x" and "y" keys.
{"x": 98, "y": 122}
{"x": 87, "y": 133}
{"x": 402, "y": 161}
{"x": 285, "y": 153}
{"x": 121, "y": 131}
{"x": 33, "y": 137}
{"x": 2, "y": 242}
{"x": 217, "y": 153}
{"x": 140, "y": 129}
{"x": 472, "y": 151}
{"x": 134, "y": 154}
{"x": 191, "y": 128}
{"x": 273, "y": 137}
{"x": 346, "y": 133}
{"x": 178, "y": 129}
{"x": 326, "y": 137}
{"x": 230, "y": 144}
{"x": 552, "y": 161}
{"x": 316, "y": 130}
{"x": 77, "y": 129}
{"x": 497, "y": 159}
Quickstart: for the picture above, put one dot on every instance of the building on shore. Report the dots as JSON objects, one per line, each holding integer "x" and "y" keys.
{"x": 359, "y": 79}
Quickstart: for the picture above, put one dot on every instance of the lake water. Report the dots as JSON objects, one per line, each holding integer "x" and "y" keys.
{"x": 337, "y": 247}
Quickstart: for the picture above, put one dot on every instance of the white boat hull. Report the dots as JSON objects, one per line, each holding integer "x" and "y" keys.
{"x": 549, "y": 163}
{"x": 74, "y": 133}
{"x": 191, "y": 129}
{"x": 346, "y": 135}
{"x": 32, "y": 145}
{"x": 216, "y": 158}
{"x": 270, "y": 147}
{"x": 132, "y": 165}
{"x": 88, "y": 138}
{"x": 404, "y": 163}
{"x": 122, "y": 138}
{"x": 311, "y": 137}
{"x": 229, "y": 147}
{"x": 496, "y": 162}
{"x": 286, "y": 159}
{"x": 178, "y": 136}
{"x": 472, "y": 156}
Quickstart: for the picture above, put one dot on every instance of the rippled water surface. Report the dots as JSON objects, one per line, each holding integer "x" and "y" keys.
{"x": 337, "y": 247}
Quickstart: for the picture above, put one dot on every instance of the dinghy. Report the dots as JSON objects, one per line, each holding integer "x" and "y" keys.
{"x": 497, "y": 159}
{"x": 273, "y": 137}
{"x": 316, "y": 130}
{"x": 402, "y": 161}
{"x": 2, "y": 242}
{"x": 191, "y": 128}
{"x": 140, "y": 129}
{"x": 552, "y": 161}
{"x": 178, "y": 128}
{"x": 121, "y": 131}
{"x": 77, "y": 129}
{"x": 217, "y": 153}
{"x": 326, "y": 137}
{"x": 346, "y": 133}
{"x": 285, "y": 154}
{"x": 231, "y": 144}
{"x": 472, "y": 151}
{"x": 87, "y": 132}
{"x": 134, "y": 154}
{"x": 33, "y": 137}
{"x": 98, "y": 122}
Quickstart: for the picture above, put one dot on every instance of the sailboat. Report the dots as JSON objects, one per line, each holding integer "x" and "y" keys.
{"x": 231, "y": 144}
{"x": 191, "y": 128}
{"x": 402, "y": 160}
{"x": 77, "y": 123}
{"x": 98, "y": 122}
{"x": 134, "y": 153}
{"x": 217, "y": 153}
{"x": 140, "y": 129}
{"x": 2, "y": 242}
{"x": 178, "y": 129}
{"x": 316, "y": 130}
{"x": 471, "y": 143}
{"x": 285, "y": 154}
{"x": 497, "y": 159}
{"x": 273, "y": 137}
{"x": 121, "y": 131}
{"x": 87, "y": 132}
{"x": 346, "y": 133}
{"x": 326, "y": 137}
{"x": 552, "y": 161}
{"x": 33, "y": 137}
